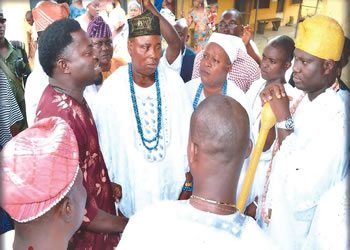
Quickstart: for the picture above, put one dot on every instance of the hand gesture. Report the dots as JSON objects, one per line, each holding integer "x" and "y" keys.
{"x": 247, "y": 34}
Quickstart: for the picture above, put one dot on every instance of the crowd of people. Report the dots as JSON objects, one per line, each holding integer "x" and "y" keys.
{"x": 109, "y": 139}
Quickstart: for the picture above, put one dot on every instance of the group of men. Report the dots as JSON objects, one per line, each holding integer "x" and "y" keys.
{"x": 146, "y": 139}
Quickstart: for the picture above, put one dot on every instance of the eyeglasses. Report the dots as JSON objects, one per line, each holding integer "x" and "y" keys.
{"x": 230, "y": 25}
{"x": 99, "y": 44}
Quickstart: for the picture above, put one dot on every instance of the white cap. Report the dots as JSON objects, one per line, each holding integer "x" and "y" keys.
{"x": 86, "y": 3}
{"x": 231, "y": 44}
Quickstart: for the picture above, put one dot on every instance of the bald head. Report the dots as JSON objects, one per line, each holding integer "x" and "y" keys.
{"x": 181, "y": 28}
{"x": 220, "y": 129}
{"x": 234, "y": 13}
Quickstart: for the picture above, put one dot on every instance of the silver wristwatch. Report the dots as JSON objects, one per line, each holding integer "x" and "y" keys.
{"x": 286, "y": 124}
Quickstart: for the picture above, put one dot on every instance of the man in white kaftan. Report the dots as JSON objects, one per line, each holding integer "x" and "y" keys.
{"x": 178, "y": 225}
{"x": 217, "y": 145}
{"x": 36, "y": 83}
{"x": 309, "y": 162}
{"x": 256, "y": 107}
{"x": 330, "y": 225}
{"x": 313, "y": 156}
{"x": 145, "y": 177}
{"x": 148, "y": 171}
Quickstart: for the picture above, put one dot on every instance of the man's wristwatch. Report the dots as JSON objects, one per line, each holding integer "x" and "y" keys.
{"x": 287, "y": 124}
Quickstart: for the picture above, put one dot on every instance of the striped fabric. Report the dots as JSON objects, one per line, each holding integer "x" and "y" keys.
{"x": 97, "y": 28}
{"x": 9, "y": 110}
{"x": 243, "y": 73}
{"x": 46, "y": 12}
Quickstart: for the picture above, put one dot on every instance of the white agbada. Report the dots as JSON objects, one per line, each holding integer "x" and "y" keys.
{"x": 237, "y": 94}
{"x": 36, "y": 83}
{"x": 146, "y": 177}
{"x": 329, "y": 228}
{"x": 256, "y": 107}
{"x": 178, "y": 225}
{"x": 310, "y": 161}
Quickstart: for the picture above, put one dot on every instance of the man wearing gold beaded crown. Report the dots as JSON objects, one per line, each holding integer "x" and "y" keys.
{"x": 142, "y": 115}
{"x": 313, "y": 152}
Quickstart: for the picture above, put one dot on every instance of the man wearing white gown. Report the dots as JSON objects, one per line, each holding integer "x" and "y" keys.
{"x": 217, "y": 146}
{"x": 142, "y": 115}
{"x": 313, "y": 154}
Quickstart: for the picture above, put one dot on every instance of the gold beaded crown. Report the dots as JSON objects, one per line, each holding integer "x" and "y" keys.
{"x": 144, "y": 25}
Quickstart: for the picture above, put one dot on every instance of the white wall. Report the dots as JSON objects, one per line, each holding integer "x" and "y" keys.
{"x": 14, "y": 11}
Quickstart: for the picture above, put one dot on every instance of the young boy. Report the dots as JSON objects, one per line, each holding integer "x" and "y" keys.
{"x": 276, "y": 60}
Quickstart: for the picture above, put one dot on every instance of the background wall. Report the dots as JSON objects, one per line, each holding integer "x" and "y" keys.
{"x": 14, "y": 11}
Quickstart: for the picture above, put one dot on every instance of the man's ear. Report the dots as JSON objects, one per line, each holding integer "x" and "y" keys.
{"x": 66, "y": 209}
{"x": 249, "y": 149}
{"x": 63, "y": 65}
{"x": 187, "y": 38}
{"x": 192, "y": 151}
{"x": 328, "y": 66}
{"x": 228, "y": 67}
{"x": 287, "y": 65}
{"x": 130, "y": 46}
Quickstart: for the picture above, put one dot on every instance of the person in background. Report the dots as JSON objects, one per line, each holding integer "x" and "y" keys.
{"x": 198, "y": 17}
{"x": 101, "y": 36}
{"x": 116, "y": 19}
{"x": 212, "y": 16}
{"x": 166, "y": 11}
{"x": 76, "y": 9}
{"x": 15, "y": 65}
{"x": 244, "y": 69}
{"x": 134, "y": 9}
{"x": 46, "y": 12}
{"x": 38, "y": 79}
{"x": 188, "y": 55}
{"x": 276, "y": 60}
{"x": 44, "y": 191}
{"x": 10, "y": 114}
{"x": 30, "y": 39}
{"x": 120, "y": 42}
{"x": 92, "y": 10}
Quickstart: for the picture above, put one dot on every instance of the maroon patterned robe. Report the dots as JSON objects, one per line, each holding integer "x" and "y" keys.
{"x": 96, "y": 180}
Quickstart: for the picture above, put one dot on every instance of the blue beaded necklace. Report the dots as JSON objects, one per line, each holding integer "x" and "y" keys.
{"x": 199, "y": 92}
{"x": 144, "y": 140}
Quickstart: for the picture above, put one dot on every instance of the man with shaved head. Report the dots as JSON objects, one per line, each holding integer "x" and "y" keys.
{"x": 218, "y": 143}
